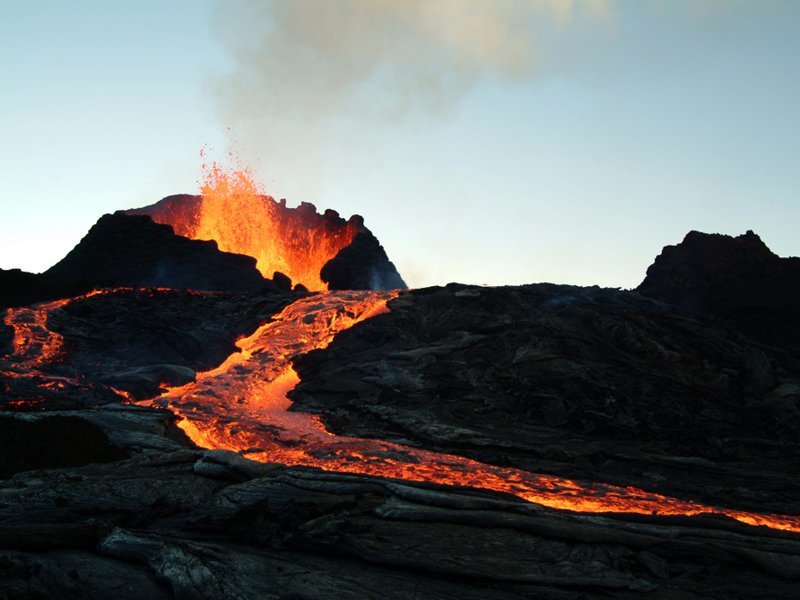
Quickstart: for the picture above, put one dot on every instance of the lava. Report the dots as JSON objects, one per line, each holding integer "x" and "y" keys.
{"x": 36, "y": 349}
{"x": 242, "y": 405}
{"x": 34, "y": 344}
{"x": 231, "y": 211}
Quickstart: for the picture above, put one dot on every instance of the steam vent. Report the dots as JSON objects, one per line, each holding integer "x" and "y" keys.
{"x": 219, "y": 396}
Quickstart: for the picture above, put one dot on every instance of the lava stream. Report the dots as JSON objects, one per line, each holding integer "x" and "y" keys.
{"x": 242, "y": 406}
{"x": 36, "y": 348}
{"x": 34, "y": 344}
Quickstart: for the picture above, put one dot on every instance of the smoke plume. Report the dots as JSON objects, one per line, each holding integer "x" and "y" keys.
{"x": 308, "y": 58}
{"x": 298, "y": 68}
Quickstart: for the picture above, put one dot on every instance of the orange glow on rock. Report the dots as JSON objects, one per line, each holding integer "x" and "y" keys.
{"x": 243, "y": 406}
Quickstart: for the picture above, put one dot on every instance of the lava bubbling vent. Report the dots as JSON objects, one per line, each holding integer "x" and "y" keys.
{"x": 232, "y": 211}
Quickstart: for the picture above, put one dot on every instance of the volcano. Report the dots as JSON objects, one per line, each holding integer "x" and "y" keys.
{"x": 315, "y": 251}
{"x": 221, "y": 396}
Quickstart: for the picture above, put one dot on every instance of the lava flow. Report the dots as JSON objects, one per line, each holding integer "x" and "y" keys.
{"x": 34, "y": 344}
{"x": 242, "y": 405}
{"x": 294, "y": 241}
{"x": 37, "y": 352}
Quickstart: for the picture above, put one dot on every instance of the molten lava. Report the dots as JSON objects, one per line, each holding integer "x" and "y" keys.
{"x": 37, "y": 351}
{"x": 34, "y": 344}
{"x": 242, "y": 405}
{"x": 294, "y": 241}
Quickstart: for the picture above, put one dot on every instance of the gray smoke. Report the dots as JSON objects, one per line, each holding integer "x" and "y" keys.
{"x": 296, "y": 64}
{"x": 311, "y": 82}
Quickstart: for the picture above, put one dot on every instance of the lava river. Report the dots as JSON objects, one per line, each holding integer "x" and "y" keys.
{"x": 242, "y": 405}
{"x": 36, "y": 349}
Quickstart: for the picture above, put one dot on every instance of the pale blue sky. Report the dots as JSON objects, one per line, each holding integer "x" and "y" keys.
{"x": 633, "y": 128}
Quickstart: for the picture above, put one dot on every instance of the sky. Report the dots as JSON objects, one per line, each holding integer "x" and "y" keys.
{"x": 501, "y": 142}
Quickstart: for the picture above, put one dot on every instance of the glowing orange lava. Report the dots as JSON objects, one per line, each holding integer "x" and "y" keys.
{"x": 295, "y": 241}
{"x": 36, "y": 347}
{"x": 34, "y": 344}
{"x": 242, "y": 406}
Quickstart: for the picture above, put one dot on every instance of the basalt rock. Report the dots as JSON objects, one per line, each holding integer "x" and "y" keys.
{"x": 133, "y": 251}
{"x": 582, "y": 382}
{"x": 123, "y": 250}
{"x": 183, "y": 523}
{"x": 18, "y": 288}
{"x": 132, "y": 340}
{"x": 736, "y": 279}
{"x": 363, "y": 265}
{"x": 52, "y": 442}
{"x": 103, "y": 497}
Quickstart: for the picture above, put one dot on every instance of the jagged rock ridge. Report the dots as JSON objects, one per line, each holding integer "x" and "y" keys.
{"x": 737, "y": 279}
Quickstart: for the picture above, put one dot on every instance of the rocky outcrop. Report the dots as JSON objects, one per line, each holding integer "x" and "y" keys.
{"x": 363, "y": 265}
{"x": 51, "y": 442}
{"x": 133, "y": 251}
{"x": 181, "y": 211}
{"x": 123, "y": 250}
{"x": 737, "y": 279}
{"x": 18, "y": 288}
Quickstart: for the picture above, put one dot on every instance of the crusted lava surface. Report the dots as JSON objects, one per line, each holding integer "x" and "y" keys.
{"x": 583, "y": 382}
{"x": 105, "y": 493}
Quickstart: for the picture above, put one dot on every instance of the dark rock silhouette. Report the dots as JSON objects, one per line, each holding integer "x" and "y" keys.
{"x": 737, "y": 279}
{"x": 18, "y": 288}
{"x": 363, "y": 265}
{"x": 181, "y": 208}
{"x": 124, "y": 250}
{"x": 281, "y": 281}
{"x": 133, "y": 251}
